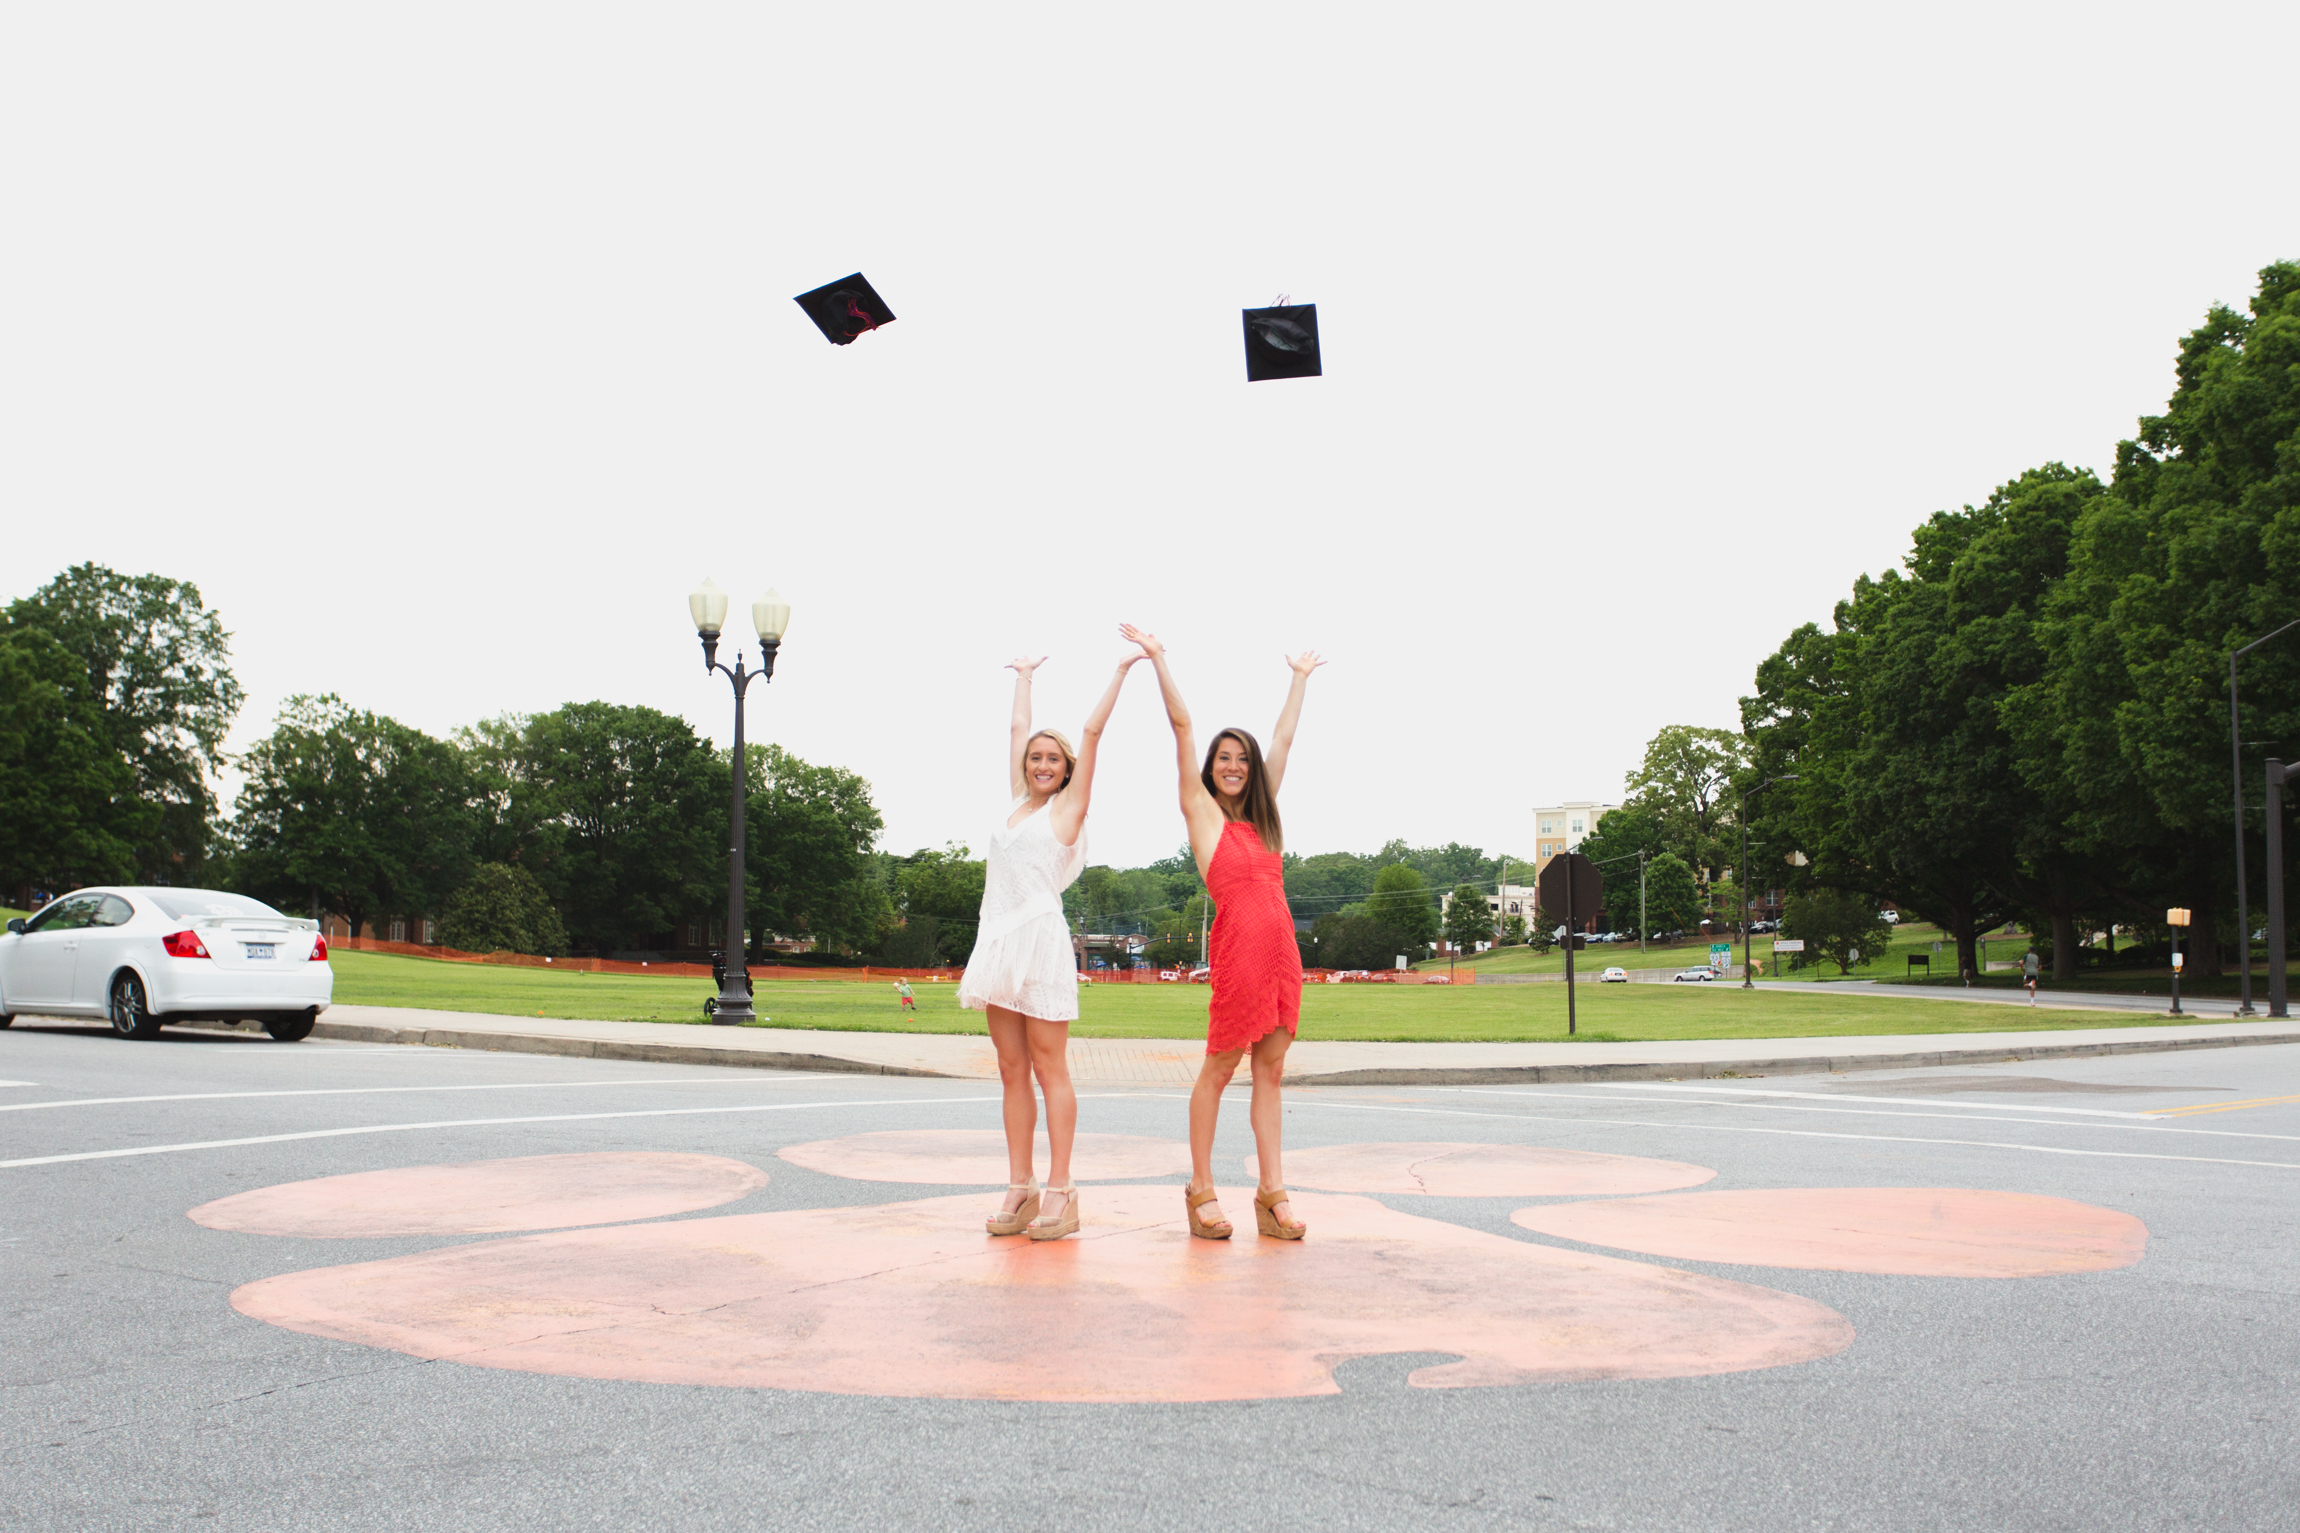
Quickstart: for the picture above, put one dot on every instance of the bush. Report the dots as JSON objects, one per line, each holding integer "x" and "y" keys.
{"x": 501, "y": 908}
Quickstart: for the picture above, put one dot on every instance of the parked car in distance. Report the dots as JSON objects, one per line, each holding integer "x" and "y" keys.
{"x": 1702, "y": 975}
{"x": 1889, "y": 917}
{"x": 1615, "y": 975}
{"x": 140, "y": 957}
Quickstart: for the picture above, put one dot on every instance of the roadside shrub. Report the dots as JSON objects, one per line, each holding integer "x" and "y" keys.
{"x": 501, "y": 908}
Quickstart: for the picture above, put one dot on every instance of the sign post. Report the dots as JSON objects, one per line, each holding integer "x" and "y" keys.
{"x": 1570, "y": 889}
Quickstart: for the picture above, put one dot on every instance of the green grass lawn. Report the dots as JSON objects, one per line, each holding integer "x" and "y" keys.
{"x": 7, "y": 915}
{"x": 1409, "y": 1013}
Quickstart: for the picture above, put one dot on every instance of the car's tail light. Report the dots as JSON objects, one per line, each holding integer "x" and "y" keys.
{"x": 319, "y": 950}
{"x": 184, "y": 944}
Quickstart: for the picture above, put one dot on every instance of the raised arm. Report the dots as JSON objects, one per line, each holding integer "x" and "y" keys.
{"x": 1199, "y": 811}
{"x": 1069, "y": 812}
{"x": 1289, "y": 717}
{"x": 1019, "y": 734}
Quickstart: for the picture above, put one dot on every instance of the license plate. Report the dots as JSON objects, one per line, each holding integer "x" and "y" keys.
{"x": 259, "y": 949}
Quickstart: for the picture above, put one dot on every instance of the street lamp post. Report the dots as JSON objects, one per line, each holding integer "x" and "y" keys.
{"x": 2177, "y": 919}
{"x": 770, "y": 615}
{"x": 2236, "y": 779}
{"x": 1743, "y": 811}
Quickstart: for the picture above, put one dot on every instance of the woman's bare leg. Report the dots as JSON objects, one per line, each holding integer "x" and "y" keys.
{"x": 1050, "y": 1061}
{"x": 1205, "y": 1108}
{"x": 1268, "y": 1113}
{"x": 1010, "y": 1035}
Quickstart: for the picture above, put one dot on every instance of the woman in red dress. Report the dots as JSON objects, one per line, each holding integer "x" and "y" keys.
{"x": 1231, "y": 806}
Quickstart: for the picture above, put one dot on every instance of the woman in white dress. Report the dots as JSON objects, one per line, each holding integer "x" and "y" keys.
{"x": 1024, "y": 973}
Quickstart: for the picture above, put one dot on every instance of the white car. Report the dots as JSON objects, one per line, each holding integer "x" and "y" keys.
{"x": 1701, "y": 976}
{"x": 142, "y": 957}
{"x": 1615, "y": 975}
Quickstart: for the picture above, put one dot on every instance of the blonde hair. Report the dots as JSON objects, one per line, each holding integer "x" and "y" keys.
{"x": 1062, "y": 744}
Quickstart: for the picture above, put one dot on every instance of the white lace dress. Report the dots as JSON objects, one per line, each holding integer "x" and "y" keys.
{"x": 1022, "y": 957}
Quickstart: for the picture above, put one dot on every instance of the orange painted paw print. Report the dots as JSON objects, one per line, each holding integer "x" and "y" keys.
{"x": 912, "y": 1299}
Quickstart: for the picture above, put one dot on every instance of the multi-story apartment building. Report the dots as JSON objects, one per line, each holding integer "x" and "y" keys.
{"x": 1564, "y": 826}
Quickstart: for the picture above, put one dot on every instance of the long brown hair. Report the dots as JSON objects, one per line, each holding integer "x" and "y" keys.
{"x": 1259, "y": 805}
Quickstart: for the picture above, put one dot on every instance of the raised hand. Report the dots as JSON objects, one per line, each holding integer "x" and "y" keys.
{"x": 1024, "y": 665}
{"x": 1151, "y": 648}
{"x": 1305, "y": 662}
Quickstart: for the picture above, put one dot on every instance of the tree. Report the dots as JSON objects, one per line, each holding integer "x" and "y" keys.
{"x": 69, "y": 812}
{"x": 1834, "y": 924}
{"x": 1672, "y": 899}
{"x": 944, "y": 887}
{"x": 809, "y": 834}
{"x": 1401, "y": 901}
{"x": 1352, "y": 939}
{"x": 616, "y": 811}
{"x": 156, "y": 665}
{"x": 1178, "y": 937}
{"x": 501, "y": 908}
{"x": 1686, "y": 779}
{"x": 1513, "y": 931}
{"x": 353, "y": 811}
{"x": 1468, "y": 919}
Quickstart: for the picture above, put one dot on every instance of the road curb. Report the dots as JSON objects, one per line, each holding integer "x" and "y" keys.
{"x": 596, "y": 1048}
{"x": 1721, "y": 1069}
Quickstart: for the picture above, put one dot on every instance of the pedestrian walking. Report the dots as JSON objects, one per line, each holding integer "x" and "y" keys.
{"x": 2028, "y": 966}
{"x": 1230, "y": 805}
{"x": 1023, "y": 974}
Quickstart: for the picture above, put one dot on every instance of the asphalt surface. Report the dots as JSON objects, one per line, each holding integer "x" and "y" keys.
{"x": 2156, "y": 1396}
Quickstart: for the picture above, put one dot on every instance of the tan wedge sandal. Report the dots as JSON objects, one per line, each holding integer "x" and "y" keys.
{"x": 1018, "y": 1221}
{"x": 1204, "y": 1229}
{"x": 1265, "y": 1215}
{"x": 1055, "y": 1226}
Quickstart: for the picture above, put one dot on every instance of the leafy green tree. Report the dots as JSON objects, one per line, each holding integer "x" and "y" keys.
{"x": 1178, "y": 937}
{"x": 1672, "y": 899}
{"x": 1834, "y": 924}
{"x": 1686, "y": 780}
{"x": 501, "y": 908}
{"x": 809, "y": 836}
{"x": 1352, "y": 939}
{"x": 69, "y": 812}
{"x": 1468, "y": 919}
{"x": 944, "y": 887}
{"x": 1402, "y": 902}
{"x": 353, "y": 811}
{"x": 156, "y": 663}
{"x": 618, "y": 810}
{"x": 1513, "y": 931}
{"x": 2193, "y": 551}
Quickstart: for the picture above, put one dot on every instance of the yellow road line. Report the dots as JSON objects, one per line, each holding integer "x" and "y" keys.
{"x": 2204, "y": 1107}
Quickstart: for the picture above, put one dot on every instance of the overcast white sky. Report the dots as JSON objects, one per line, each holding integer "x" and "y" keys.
{"x": 446, "y": 347}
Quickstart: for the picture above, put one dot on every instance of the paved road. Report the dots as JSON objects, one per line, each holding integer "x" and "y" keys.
{"x": 2115, "y": 1394}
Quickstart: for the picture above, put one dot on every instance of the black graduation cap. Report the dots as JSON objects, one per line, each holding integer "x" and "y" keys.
{"x": 846, "y": 308}
{"x": 1282, "y": 341}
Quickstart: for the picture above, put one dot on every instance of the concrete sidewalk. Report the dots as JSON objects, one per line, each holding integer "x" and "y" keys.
{"x": 1174, "y": 1062}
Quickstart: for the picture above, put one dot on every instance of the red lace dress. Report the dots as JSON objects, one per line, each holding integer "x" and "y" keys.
{"x": 1257, "y": 966}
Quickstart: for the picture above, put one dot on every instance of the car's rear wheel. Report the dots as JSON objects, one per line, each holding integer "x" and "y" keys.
{"x": 295, "y": 1027}
{"x": 131, "y": 1016}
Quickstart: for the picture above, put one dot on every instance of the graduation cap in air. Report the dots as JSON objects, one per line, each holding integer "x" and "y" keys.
{"x": 846, "y": 308}
{"x": 1282, "y": 341}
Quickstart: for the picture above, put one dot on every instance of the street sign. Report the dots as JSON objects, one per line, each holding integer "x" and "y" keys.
{"x": 1720, "y": 956}
{"x": 1789, "y": 945}
{"x": 1588, "y": 889}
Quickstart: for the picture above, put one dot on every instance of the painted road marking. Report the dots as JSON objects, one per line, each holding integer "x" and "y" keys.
{"x": 354, "y": 1091}
{"x": 1842, "y": 1096}
{"x": 402, "y": 1128}
{"x": 2151, "y": 1126}
{"x": 2194, "y": 1109}
{"x": 19, "y": 1083}
{"x": 1807, "y": 1133}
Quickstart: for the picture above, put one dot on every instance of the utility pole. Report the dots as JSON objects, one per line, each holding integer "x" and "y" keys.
{"x": 2274, "y": 807}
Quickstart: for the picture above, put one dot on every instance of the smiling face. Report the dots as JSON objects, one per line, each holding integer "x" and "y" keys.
{"x": 1233, "y": 768}
{"x": 1045, "y": 768}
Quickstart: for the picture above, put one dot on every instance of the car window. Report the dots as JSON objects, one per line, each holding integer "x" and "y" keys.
{"x": 185, "y": 904}
{"x": 111, "y": 910}
{"x": 65, "y": 915}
